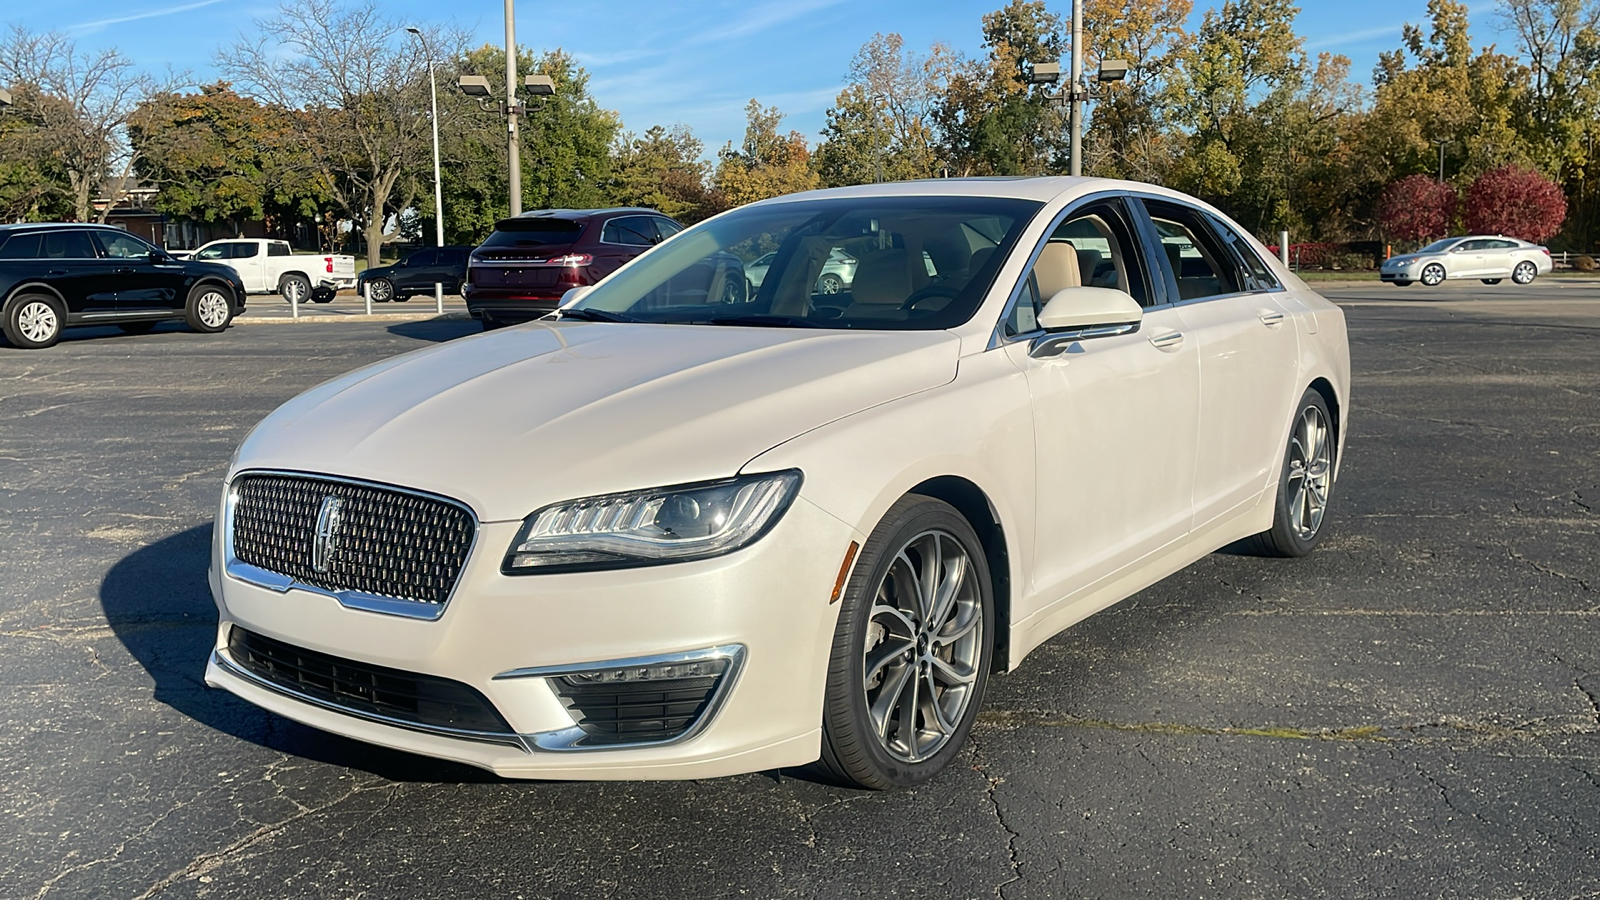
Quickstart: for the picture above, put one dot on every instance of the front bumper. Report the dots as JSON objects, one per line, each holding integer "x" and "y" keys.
{"x": 770, "y": 600}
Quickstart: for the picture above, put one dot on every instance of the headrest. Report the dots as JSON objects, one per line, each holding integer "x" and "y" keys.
{"x": 882, "y": 279}
{"x": 1057, "y": 269}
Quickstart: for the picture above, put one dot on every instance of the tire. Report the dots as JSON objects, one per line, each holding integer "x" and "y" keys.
{"x": 1401, "y": 283}
{"x": 1296, "y": 525}
{"x": 382, "y": 290}
{"x": 209, "y": 308}
{"x": 829, "y": 283}
{"x": 401, "y": 298}
{"x": 1524, "y": 273}
{"x": 137, "y": 327}
{"x": 33, "y": 321}
{"x": 295, "y": 288}
{"x": 881, "y": 620}
{"x": 1433, "y": 274}
{"x": 1491, "y": 281}
{"x": 323, "y": 295}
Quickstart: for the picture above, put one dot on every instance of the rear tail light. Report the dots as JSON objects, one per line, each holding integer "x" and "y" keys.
{"x": 572, "y": 260}
{"x": 1546, "y": 250}
{"x": 329, "y": 261}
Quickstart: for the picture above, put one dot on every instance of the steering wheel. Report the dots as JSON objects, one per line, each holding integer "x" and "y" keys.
{"x": 949, "y": 291}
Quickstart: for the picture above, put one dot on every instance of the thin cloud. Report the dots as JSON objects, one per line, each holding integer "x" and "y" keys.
{"x": 1355, "y": 37}
{"x": 151, "y": 14}
{"x": 772, "y": 15}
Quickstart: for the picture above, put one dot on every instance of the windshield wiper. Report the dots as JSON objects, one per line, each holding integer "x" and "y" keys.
{"x": 765, "y": 321}
{"x": 594, "y": 315}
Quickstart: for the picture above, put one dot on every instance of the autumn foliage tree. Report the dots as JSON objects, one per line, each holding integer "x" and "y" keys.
{"x": 1417, "y": 208}
{"x": 1516, "y": 202}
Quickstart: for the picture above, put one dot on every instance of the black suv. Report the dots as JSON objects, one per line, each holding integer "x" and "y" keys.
{"x": 529, "y": 261}
{"x": 416, "y": 274}
{"x": 53, "y": 276}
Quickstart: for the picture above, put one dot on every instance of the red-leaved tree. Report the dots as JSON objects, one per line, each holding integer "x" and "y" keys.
{"x": 1417, "y": 208}
{"x": 1515, "y": 202}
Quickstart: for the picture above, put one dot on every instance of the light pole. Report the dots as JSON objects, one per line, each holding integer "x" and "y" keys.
{"x": 1077, "y": 89}
{"x": 438, "y": 186}
{"x": 1441, "y": 157}
{"x": 537, "y": 85}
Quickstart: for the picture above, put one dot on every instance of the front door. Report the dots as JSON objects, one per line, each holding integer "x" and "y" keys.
{"x": 142, "y": 285}
{"x": 1115, "y": 417}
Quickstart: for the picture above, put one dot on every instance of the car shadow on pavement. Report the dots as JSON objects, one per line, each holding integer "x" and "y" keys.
{"x": 436, "y": 331}
{"x": 158, "y": 604}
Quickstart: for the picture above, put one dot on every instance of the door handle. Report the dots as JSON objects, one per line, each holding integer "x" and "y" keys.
{"x": 1169, "y": 340}
{"x": 57, "y": 272}
{"x": 123, "y": 271}
{"x": 1270, "y": 317}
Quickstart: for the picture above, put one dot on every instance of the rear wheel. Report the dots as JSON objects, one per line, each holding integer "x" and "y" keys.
{"x": 295, "y": 288}
{"x": 209, "y": 309}
{"x": 829, "y": 283}
{"x": 1402, "y": 284}
{"x": 1304, "y": 485}
{"x": 33, "y": 321}
{"x": 1525, "y": 272}
{"x": 1491, "y": 281}
{"x": 911, "y": 653}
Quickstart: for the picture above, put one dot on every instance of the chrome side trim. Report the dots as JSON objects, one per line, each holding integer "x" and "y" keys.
{"x": 569, "y": 740}
{"x": 564, "y": 740}
{"x": 1054, "y": 343}
{"x": 375, "y": 603}
{"x": 225, "y": 663}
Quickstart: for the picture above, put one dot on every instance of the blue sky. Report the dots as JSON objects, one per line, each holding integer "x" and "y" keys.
{"x": 692, "y": 61}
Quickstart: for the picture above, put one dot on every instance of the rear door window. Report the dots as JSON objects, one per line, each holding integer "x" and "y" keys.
{"x": 1258, "y": 276}
{"x": 1200, "y": 265}
{"x": 634, "y": 231}
{"x": 278, "y": 248}
{"x": 67, "y": 245}
{"x": 665, "y": 226}
{"x": 245, "y": 250}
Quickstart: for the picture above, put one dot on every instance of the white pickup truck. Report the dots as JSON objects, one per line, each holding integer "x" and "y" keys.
{"x": 270, "y": 267}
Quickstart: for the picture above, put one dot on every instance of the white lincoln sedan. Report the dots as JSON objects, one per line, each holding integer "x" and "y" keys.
{"x": 654, "y": 536}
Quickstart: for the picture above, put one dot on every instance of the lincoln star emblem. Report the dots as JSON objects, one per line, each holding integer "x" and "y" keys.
{"x": 327, "y": 540}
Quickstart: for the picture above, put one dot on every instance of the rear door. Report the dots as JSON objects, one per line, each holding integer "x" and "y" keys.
{"x": 247, "y": 259}
{"x": 621, "y": 239}
{"x": 418, "y": 272}
{"x": 1234, "y": 310}
{"x": 1499, "y": 255}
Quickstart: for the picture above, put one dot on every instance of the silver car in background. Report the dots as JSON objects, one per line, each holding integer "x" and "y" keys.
{"x": 1487, "y": 257}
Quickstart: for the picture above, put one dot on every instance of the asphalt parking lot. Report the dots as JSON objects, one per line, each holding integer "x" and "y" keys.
{"x": 1413, "y": 710}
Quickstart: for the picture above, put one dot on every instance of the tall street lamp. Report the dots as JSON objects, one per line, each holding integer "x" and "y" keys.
{"x": 438, "y": 187}
{"x": 1076, "y": 91}
{"x": 1442, "y": 145}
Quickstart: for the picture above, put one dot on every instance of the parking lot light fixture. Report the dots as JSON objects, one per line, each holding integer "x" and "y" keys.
{"x": 5, "y": 97}
{"x": 473, "y": 85}
{"x": 1112, "y": 70}
{"x": 539, "y": 85}
{"x": 1045, "y": 73}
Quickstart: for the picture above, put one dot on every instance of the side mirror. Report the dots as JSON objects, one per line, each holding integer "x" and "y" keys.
{"x": 574, "y": 295}
{"x": 1079, "y": 313}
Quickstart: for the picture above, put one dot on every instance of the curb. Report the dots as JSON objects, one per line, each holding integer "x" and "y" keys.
{"x": 357, "y": 317}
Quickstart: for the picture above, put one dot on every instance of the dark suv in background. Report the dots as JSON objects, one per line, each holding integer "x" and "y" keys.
{"x": 417, "y": 274}
{"x": 521, "y": 271}
{"x": 55, "y": 276}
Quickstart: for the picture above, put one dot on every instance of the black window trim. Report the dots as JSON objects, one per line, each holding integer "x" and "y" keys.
{"x": 1171, "y": 277}
{"x": 1215, "y": 223}
{"x": 645, "y": 216}
{"x": 86, "y": 230}
{"x": 1140, "y": 222}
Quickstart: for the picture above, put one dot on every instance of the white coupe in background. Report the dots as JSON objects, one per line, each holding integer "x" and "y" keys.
{"x": 1490, "y": 258}
{"x": 655, "y": 537}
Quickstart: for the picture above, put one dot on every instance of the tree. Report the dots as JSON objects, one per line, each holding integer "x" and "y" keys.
{"x": 882, "y": 126}
{"x": 1417, "y": 208}
{"x": 33, "y": 185}
{"x": 992, "y": 122}
{"x": 1516, "y": 202}
{"x": 663, "y": 170}
{"x": 768, "y": 164}
{"x": 77, "y": 104}
{"x": 1129, "y": 135}
{"x": 363, "y": 84}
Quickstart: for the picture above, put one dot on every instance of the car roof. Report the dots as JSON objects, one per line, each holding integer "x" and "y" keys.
{"x": 54, "y": 226}
{"x": 1043, "y": 188}
{"x": 579, "y": 214}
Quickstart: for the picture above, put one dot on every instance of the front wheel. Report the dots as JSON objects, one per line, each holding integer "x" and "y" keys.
{"x": 1402, "y": 284}
{"x": 1433, "y": 275}
{"x": 1524, "y": 273}
{"x": 911, "y": 653}
{"x": 1491, "y": 281}
{"x": 381, "y": 290}
{"x": 209, "y": 309}
{"x": 1304, "y": 485}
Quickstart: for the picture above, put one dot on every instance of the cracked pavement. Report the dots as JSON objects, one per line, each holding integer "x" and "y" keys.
{"x": 1410, "y": 711}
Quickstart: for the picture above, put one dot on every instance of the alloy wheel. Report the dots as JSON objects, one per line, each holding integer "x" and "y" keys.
{"x": 1310, "y": 473}
{"x": 1433, "y": 275}
{"x": 923, "y": 647}
{"x": 382, "y": 291}
{"x": 37, "y": 321}
{"x": 1524, "y": 273}
{"x": 213, "y": 309}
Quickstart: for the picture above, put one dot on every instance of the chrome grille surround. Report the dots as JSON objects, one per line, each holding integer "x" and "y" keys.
{"x": 399, "y": 551}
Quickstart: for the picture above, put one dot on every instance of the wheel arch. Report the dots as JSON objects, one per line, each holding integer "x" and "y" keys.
{"x": 1331, "y": 397}
{"x": 34, "y": 287}
{"x": 305, "y": 275}
{"x": 974, "y": 506}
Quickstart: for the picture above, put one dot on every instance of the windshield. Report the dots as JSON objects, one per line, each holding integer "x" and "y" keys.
{"x": 920, "y": 263}
{"x": 1439, "y": 246}
{"x": 533, "y": 232}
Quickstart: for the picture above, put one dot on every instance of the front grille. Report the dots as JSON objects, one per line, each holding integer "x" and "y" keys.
{"x": 362, "y": 688}
{"x": 637, "y": 712}
{"x": 388, "y": 542}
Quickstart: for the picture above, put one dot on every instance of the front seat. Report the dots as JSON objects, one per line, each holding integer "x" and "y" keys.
{"x": 1056, "y": 269}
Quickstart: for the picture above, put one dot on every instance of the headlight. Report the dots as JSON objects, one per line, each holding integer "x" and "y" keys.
{"x": 661, "y": 525}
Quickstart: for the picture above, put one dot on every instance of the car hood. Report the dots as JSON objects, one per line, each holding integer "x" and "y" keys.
{"x": 376, "y": 272}
{"x": 1405, "y": 258}
{"x": 515, "y": 419}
